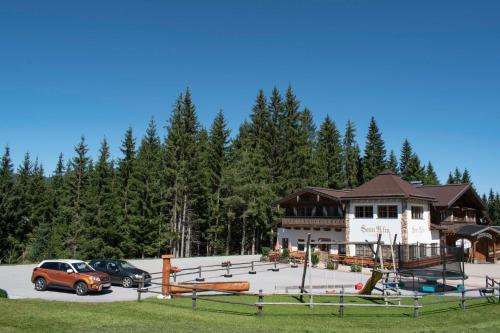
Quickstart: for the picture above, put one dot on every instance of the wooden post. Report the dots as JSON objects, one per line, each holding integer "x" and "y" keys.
{"x": 252, "y": 268}
{"x": 415, "y": 308}
{"x": 228, "y": 271}
{"x": 193, "y": 298}
{"x": 306, "y": 262}
{"x": 139, "y": 288}
{"x": 199, "y": 278}
{"x": 341, "y": 308}
{"x": 462, "y": 301}
{"x": 167, "y": 268}
{"x": 260, "y": 306}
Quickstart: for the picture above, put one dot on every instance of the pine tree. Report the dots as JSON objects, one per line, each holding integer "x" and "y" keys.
{"x": 292, "y": 145}
{"x": 128, "y": 194}
{"x": 278, "y": 154}
{"x": 375, "y": 153}
{"x": 218, "y": 150}
{"x": 71, "y": 215}
{"x": 153, "y": 235}
{"x": 430, "y": 175}
{"x": 457, "y": 176}
{"x": 406, "y": 155}
{"x": 392, "y": 163}
{"x": 414, "y": 170}
{"x": 351, "y": 158}
{"x": 102, "y": 227}
{"x": 329, "y": 155}
{"x": 451, "y": 179}
{"x": 6, "y": 212}
{"x": 466, "y": 179}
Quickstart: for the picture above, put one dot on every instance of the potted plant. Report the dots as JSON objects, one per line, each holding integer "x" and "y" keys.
{"x": 315, "y": 259}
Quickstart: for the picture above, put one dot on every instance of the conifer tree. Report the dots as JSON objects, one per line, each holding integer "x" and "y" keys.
{"x": 102, "y": 227}
{"x": 375, "y": 153}
{"x": 291, "y": 164}
{"x": 392, "y": 163}
{"x": 414, "y": 170}
{"x": 329, "y": 155}
{"x": 278, "y": 152}
{"x": 6, "y": 209}
{"x": 152, "y": 235}
{"x": 406, "y": 155}
{"x": 457, "y": 176}
{"x": 128, "y": 194}
{"x": 451, "y": 179}
{"x": 466, "y": 179}
{"x": 351, "y": 158}
{"x": 217, "y": 163}
{"x": 430, "y": 175}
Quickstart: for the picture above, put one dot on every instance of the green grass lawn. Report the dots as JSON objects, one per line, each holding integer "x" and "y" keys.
{"x": 176, "y": 315}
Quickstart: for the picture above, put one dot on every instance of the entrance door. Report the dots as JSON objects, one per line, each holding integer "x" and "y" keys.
{"x": 482, "y": 249}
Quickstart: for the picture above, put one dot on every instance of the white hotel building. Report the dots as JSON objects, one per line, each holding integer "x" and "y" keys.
{"x": 385, "y": 205}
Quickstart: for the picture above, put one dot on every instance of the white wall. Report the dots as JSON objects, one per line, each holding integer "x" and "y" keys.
{"x": 293, "y": 235}
{"x": 419, "y": 230}
{"x": 361, "y": 230}
{"x": 369, "y": 229}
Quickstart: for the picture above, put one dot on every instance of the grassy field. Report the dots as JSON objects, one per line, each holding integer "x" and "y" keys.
{"x": 152, "y": 315}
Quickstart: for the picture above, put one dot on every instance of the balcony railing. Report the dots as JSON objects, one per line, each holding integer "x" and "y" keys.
{"x": 455, "y": 219}
{"x": 325, "y": 222}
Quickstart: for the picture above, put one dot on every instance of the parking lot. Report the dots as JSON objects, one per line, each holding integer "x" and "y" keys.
{"x": 16, "y": 278}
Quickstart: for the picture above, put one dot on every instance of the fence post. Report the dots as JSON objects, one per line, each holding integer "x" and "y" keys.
{"x": 260, "y": 306}
{"x": 415, "y": 308}
{"x": 275, "y": 268}
{"x": 193, "y": 298}
{"x": 199, "y": 278}
{"x": 139, "y": 288}
{"x": 252, "y": 269}
{"x": 463, "y": 297}
{"x": 228, "y": 271}
{"x": 341, "y": 308}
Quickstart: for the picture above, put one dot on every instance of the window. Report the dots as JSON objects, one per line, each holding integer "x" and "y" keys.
{"x": 300, "y": 245}
{"x": 363, "y": 212}
{"x": 363, "y": 250}
{"x": 387, "y": 212}
{"x": 417, "y": 212}
{"x": 434, "y": 249}
{"x": 64, "y": 267}
{"x": 342, "y": 249}
{"x": 50, "y": 265}
{"x": 284, "y": 243}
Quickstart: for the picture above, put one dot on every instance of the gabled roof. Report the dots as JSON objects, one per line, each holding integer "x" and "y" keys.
{"x": 475, "y": 229}
{"x": 447, "y": 195}
{"x": 387, "y": 184}
{"x": 326, "y": 192}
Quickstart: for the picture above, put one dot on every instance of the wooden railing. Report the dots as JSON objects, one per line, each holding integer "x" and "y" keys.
{"x": 455, "y": 219}
{"x": 329, "y": 222}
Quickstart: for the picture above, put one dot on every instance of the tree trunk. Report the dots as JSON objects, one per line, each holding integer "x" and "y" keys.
{"x": 253, "y": 237}
{"x": 228, "y": 236}
{"x": 243, "y": 235}
{"x": 183, "y": 223}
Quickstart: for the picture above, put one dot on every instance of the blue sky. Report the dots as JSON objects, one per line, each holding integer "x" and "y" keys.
{"x": 428, "y": 71}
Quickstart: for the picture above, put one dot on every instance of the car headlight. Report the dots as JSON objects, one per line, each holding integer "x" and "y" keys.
{"x": 138, "y": 276}
{"x": 95, "y": 278}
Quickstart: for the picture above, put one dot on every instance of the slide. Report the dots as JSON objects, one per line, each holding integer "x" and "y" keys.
{"x": 370, "y": 284}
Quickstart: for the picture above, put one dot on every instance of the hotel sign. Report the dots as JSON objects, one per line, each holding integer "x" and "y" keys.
{"x": 377, "y": 229}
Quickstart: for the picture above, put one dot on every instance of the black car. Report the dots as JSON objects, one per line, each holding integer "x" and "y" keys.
{"x": 121, "y": 272}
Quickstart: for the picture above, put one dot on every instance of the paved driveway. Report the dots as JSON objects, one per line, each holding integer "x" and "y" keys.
{"x": 16, "y": 278}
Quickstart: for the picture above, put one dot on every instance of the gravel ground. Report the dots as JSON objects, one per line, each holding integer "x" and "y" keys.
{"x": 16, "y": 278}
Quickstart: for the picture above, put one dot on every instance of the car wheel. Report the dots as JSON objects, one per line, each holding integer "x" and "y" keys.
{"x": 81, "y": 288}
{"x": 40, "y": 284}
{"x": 127, "y": 282}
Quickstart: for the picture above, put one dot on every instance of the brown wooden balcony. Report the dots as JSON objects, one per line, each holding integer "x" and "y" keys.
{"x": 323, "y": 222}
{"x": 456, "y": 219}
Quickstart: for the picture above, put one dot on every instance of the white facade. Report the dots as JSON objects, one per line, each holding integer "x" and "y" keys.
{"x": 296, "y": 236}
{"x": 408, "y": 229}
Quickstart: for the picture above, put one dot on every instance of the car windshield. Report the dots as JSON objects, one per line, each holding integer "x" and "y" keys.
{"x": 126, "y": 265}
{"x": 82, "y": 267}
